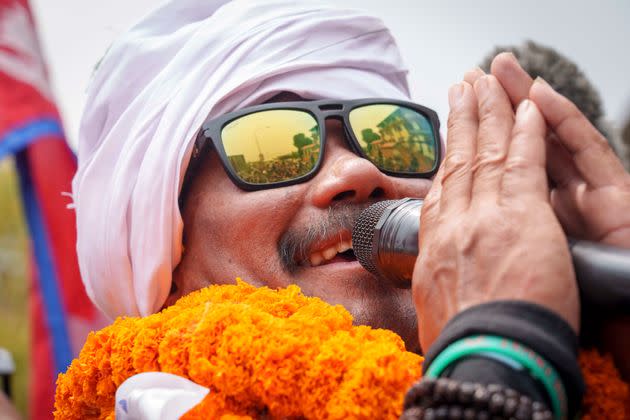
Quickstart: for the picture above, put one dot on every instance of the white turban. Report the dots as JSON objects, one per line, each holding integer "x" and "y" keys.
{"x": 186, "y": 61}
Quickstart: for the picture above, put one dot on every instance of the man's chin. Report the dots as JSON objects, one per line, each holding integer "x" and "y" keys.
{"x": 370, "y": 300}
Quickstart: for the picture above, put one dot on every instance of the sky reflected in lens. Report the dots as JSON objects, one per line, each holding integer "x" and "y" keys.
{"x": 272, "y": 146}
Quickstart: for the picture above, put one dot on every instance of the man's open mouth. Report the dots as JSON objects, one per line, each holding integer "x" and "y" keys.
{"x": 335, "y": 249}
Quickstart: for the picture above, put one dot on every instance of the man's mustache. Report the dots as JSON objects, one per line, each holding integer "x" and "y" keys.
{"x": 294, "y": 245}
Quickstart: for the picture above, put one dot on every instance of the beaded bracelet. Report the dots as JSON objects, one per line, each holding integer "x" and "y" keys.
{"x": 536, "y": 366}
{"x": 445, "y": 398}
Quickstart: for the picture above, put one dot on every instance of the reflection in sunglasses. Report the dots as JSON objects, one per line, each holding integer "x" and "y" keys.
{"x": 278, "y": 145}
{"x": 394, "y": 138}
{"x": 272, "y": 146}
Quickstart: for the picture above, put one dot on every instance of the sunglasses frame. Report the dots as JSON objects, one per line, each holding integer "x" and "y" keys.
{"x": 320, "y": 110}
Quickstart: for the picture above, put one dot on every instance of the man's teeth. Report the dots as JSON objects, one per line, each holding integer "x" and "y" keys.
{"x": 316, "y": 258}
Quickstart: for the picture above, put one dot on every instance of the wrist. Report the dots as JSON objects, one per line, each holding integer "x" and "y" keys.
{"x": 518, "y": 357}
{"x": 532, "y": 326}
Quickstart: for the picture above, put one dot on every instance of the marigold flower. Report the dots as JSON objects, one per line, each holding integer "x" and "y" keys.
{"x": 273, "y": 353}
{"x": 607, "y": 396}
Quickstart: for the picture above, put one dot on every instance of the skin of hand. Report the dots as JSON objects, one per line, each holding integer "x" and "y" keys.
{"x": 488, "y": 231}
{"x": 591, "y": 189}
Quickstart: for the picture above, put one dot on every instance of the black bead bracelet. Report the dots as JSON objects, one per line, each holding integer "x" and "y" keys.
{"x": 444, "y": 398}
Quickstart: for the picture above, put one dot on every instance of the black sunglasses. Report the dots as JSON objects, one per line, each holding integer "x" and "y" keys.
{"x": 278, "y": 144}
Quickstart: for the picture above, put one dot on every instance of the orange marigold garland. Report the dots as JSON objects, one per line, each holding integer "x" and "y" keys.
{"x": 277, "y": 353}
{"x": 258, "y": 350}
{"x": 607, "y": 396}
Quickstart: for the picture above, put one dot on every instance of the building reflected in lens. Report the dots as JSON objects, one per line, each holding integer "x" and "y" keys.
{"x": 402, "y": 140}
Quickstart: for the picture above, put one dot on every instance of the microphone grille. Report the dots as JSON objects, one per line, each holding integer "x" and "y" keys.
{"x": 363, "y": 234}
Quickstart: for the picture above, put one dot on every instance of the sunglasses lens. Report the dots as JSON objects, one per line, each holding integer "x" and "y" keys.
{"x": 395, "y": 138}
{"x": 272, "y": 146}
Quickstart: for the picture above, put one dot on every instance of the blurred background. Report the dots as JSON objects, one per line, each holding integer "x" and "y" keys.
{"x": 440, "y": 40}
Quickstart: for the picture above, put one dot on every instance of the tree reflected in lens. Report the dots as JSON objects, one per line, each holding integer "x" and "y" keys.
{"x": 272, "y": 146}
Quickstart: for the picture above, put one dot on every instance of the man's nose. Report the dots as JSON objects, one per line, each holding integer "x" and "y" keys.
{"x": 345, "y": 176}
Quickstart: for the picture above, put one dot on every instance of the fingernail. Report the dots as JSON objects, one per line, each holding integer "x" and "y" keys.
{"x": 476, "y": 71}
{"x": 455, "y": 94}
{"x": 541, "y": 81}
{"x": 473, "y": 74}
{"x": 481, "y": 84}
{"x": 510, "y": 56}
{"x": 523, "y": 106}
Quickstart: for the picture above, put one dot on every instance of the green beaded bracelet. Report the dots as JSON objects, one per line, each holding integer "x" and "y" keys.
{"x": 537, "y": 367}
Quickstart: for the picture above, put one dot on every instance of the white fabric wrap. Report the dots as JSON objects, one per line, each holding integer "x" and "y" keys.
{"x": 157, "y": 84}
{"x": 157, "y": 396}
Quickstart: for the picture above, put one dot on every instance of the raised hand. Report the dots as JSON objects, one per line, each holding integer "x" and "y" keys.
{"x": 488, "y": 231}
{"x": 590, "y": 189}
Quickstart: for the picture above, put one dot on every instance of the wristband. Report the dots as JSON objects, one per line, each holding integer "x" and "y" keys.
{"x": 535, "y": 365}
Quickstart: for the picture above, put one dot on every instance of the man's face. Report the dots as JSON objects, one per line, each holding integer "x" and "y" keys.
{"x": 295, "y": 235}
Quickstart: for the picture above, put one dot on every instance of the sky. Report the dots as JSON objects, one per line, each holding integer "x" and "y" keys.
{"x": 440, "y": 41}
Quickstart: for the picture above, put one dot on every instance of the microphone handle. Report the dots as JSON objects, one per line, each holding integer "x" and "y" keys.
{"x": 395, "y": 241}
{"x": 603, "y": 275}
{"x": 602, "y": 271}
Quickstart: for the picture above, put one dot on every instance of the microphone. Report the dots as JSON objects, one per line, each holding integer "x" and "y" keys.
{"x": 385, "y": 242}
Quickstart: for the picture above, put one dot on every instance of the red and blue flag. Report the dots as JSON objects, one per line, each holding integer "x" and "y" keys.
{"x": 30, "y": 130}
